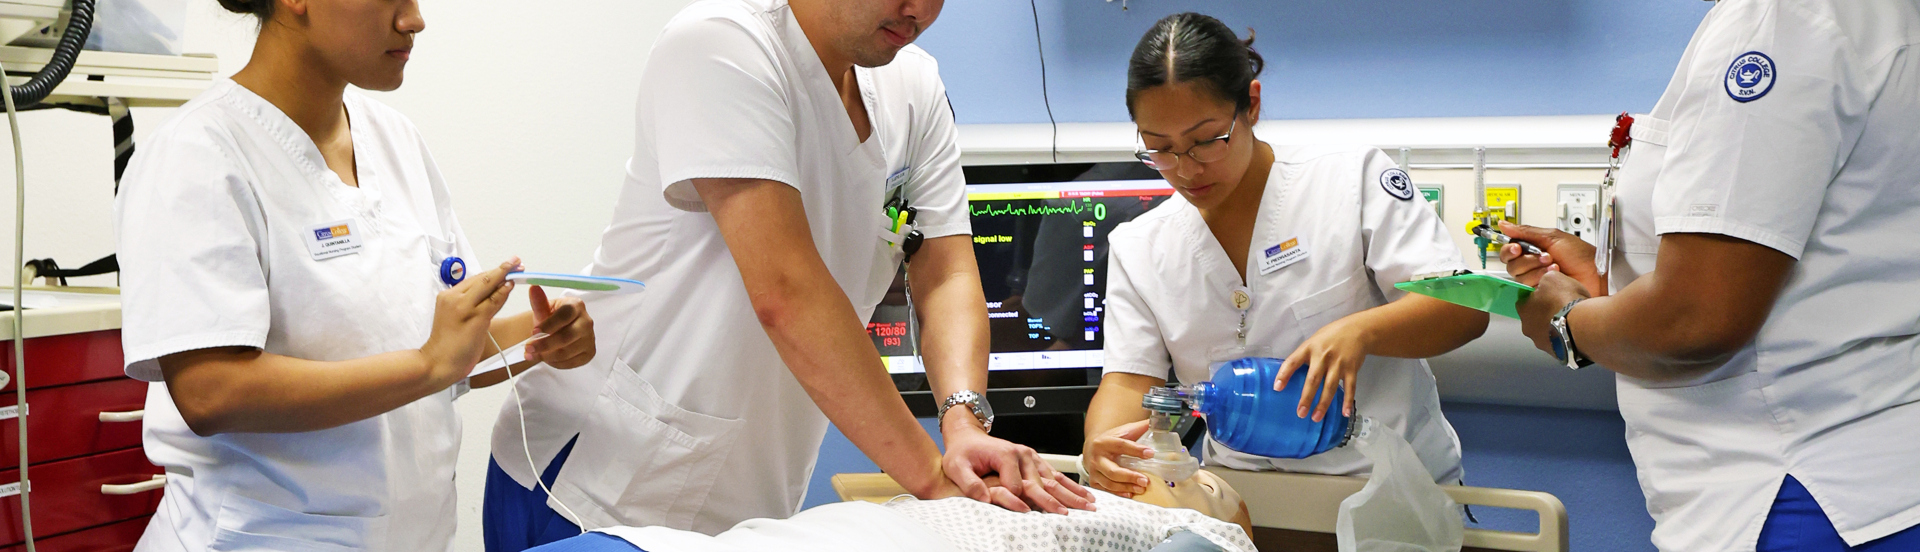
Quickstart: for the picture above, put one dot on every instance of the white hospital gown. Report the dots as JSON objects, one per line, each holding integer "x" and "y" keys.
{"x": 1118, "y": 525}
{"x": 949, "y": 525}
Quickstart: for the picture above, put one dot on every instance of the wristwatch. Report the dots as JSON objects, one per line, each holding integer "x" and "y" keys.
{"x": 976, "y": 403}
{"x": 1562, "y": 338}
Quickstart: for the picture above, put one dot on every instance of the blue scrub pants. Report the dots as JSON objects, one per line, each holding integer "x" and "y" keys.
{"x": 1797, "y": 524}
{"x": 590, "y": 542}
{"x": 515, "y": 518}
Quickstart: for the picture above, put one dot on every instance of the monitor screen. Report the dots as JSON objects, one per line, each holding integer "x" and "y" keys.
{"x": 1039, "y": 235}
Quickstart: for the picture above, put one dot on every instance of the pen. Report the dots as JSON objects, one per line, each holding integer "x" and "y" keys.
{"x": 1487, "y": 232}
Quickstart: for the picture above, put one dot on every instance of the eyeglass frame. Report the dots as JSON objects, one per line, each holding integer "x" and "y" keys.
{"x": 1145, "y": 155}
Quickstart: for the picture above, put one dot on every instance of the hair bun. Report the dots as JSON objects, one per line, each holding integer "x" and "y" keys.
{"x": 261, "y": 10}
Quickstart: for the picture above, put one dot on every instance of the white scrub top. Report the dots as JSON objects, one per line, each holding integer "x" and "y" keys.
{"x": 1353, "y": 226}
{"x": 1794, "y": 124}
{"x": 692, "y": 421}
{"x": 216, "y": 216}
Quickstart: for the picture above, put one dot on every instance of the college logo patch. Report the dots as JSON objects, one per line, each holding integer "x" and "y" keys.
{"x": 1397, "y": 183}
{"x": 1750, "y": 77}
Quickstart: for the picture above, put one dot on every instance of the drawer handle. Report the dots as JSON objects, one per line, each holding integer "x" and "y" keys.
{"x": 157, "y": 482}
{"x": 111, "y": 417}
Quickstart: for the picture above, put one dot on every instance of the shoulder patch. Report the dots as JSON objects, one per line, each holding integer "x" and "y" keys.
{"x": 1397, "y": 184}
{"x": 1749, "y": 77}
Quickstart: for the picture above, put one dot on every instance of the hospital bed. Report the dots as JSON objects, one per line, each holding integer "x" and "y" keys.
{"x": 1297, "y": 511}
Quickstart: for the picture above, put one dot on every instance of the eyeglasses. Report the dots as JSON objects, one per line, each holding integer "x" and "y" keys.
{"x": 1206, "y": 151}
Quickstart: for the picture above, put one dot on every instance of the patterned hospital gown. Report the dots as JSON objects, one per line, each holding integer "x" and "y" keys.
{"x": 1118, "y": 525}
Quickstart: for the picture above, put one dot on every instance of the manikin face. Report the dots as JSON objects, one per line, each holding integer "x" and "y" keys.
{"x": 1204, "y": 492}
{"x": 1176, "y": 117}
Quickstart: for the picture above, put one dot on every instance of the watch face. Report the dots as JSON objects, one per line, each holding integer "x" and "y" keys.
{"x": 1559, "y": 347}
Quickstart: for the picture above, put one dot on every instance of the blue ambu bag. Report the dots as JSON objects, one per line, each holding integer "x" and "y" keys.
{"x": 1244, "y": 413}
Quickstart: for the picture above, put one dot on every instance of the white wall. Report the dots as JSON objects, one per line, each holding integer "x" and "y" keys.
{"x": 528, "y": 108}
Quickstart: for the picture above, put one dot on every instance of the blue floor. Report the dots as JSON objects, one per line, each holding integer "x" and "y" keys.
{"x": 1578, "y": 455}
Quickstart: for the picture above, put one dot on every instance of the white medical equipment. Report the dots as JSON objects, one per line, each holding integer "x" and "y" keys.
{"x": 1285, "y": 505}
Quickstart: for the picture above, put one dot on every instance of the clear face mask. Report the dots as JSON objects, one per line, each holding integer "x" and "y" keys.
{"x": 1170, "y": 462}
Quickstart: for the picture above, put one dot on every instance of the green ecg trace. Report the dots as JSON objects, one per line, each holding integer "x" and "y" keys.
{"x": 1009, "y": 210}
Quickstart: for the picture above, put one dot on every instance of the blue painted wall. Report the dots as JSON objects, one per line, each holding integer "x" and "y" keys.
{"x": 1328, "y": 58}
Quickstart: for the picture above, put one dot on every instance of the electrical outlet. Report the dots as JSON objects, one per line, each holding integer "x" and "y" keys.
{"x": 1577, "y": 210}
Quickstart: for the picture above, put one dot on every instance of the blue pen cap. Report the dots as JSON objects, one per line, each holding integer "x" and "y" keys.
{"x": 453, "y": 271}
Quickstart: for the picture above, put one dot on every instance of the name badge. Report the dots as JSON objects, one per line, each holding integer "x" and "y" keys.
{"x": 1281, "y": 256}
{"x": 333, "y": 239}
{"x": 897, "y": 179}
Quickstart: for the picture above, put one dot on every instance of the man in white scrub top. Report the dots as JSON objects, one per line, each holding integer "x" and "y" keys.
{"x": 772, "y": 135}
{"x": 1762, "y": 312}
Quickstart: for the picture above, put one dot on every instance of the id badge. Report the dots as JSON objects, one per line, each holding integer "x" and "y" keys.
{"x": 334, "y": 239}
{"x": 898, "y": 180}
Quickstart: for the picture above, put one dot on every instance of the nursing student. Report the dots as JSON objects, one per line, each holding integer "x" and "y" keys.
{"x": 771, "y": 139}
{"x": 1760, "y": 309}
{"x": 295, "y": 287}
{"x": 1310, "y": 239}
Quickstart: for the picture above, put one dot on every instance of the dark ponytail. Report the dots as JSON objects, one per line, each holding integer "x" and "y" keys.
{"x": 259, "y": 9}
{"x": 1191, "y": 47}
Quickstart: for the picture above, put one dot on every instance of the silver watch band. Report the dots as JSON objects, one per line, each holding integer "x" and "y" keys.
{"x": 976, "y": 405}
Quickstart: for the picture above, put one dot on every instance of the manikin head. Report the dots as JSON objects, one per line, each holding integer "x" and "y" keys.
{"x": 1205, "y": 493}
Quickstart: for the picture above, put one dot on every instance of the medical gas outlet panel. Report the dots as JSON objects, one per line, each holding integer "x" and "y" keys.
{"x": 1564, "y": 198}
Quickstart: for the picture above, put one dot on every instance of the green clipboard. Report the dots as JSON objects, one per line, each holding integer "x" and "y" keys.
{"x": 1475, "y": 291}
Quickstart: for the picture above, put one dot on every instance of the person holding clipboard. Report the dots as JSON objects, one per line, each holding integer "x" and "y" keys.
{"x": 1759, "y": 308}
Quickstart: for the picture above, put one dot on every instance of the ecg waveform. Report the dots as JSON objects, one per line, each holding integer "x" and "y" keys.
{"x": 1012, "y": 210}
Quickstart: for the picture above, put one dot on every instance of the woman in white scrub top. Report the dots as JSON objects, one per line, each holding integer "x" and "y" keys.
{"x": 1762, "y": 311}
{"x": 1315, "y": 237}
{"x": 287, "y": 249}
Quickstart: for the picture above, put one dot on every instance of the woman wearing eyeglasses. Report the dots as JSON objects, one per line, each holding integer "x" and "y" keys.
{"x": 1268, "y": 251}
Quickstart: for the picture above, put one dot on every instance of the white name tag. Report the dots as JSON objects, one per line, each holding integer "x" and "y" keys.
{"x": 1282, "y": 255}
{"x": 333, "y": 239}
{"x": 898, "y": 179}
